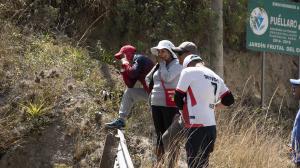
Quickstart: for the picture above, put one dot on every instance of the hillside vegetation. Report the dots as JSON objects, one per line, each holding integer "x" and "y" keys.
{"x": 50, "y": 95}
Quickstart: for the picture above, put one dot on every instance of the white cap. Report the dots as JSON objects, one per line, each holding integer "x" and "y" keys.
{"x": 295, "y": 81}
{"x": 189, "y": 59}
{"x": 163, "y": 44}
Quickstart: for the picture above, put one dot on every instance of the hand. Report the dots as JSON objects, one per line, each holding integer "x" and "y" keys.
{"x": 162, "y": 63}
{"x": 219, "y": 106}
{"x": 158, "y": 59}
{"x": 124, "y": 60}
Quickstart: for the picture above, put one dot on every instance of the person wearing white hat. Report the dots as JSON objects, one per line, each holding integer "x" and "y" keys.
{"x": 198, "y": 93}
{"x": 295, "y": 136}
{"x": 176, "y": 132}
{"x": 163, "y": 79}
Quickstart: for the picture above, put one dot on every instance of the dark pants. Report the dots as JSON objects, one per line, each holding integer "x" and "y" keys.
{"x": 162, "y": 119}
{"x": 199, "y": 145}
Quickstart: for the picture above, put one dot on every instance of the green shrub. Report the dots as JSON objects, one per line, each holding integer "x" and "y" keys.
{"x": 103, "y": 55}
{"x": 34, "y": 109}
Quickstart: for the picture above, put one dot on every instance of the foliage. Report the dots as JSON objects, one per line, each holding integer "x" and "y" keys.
{"x": 144, "y": 23}
{"x": 46, "y": 66}
{"x": 44, "y": 53}
{"x": 141, "y": 23}
{"x": 235, "y": 16}
{"x": 34, "y": 109}
{"x": 104, "y": 55}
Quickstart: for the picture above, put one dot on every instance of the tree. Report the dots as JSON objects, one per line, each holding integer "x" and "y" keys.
{"x": 216, "y": 40}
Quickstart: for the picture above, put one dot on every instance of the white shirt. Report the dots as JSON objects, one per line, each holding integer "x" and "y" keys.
{"x": 204, "y": 88}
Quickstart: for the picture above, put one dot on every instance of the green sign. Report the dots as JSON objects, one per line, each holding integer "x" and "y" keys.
{"x": 274, "y": 26}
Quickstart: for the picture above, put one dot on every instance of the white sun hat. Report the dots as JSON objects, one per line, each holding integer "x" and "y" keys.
{"x": 295, "y": 81}
{"x": 163, "y": 44}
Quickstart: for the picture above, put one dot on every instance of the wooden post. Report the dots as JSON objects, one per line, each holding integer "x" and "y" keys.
{"x": 109, "y": 151}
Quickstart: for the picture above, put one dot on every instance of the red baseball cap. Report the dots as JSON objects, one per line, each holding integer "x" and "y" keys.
{"x": 128, "y": 50}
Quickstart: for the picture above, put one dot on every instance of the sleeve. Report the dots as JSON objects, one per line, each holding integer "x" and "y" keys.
{"x": 184, "y": 81}
{"x": 225, "y": 95}
{"x": 130, "y": 73}
{"x": 179, "y": 99}
{"x": 223, "y": 89}
{"x": 170, "y": 74}
{"x": 128, "y": 81}
{"x": 149, "y": 76}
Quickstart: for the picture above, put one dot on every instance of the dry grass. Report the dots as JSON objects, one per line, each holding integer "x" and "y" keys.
{"x": 247, "y": 137}
{"x": 249, "y": 142}
{"x": 244, "y": 140}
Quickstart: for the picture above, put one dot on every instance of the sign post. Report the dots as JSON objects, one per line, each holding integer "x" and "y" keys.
{"x": 273, "y": 26}
{"x": 263, "y": 66}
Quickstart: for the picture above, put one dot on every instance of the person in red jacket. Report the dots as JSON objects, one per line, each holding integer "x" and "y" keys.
{"x": 134, "y": 68}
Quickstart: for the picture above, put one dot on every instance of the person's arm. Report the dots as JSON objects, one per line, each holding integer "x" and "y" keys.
{"x": 167, "y": 75}
{"x": 225, "y": 96}
{"x": 126, "y": 71}
{"x": 226, "y": 101}
{"x": 182, "y": 86}
{"x": 133, "y": 70}
{"x": 149, "y": 77}
{"x": 179, "y": 99}
{"x": 219, "y": 106}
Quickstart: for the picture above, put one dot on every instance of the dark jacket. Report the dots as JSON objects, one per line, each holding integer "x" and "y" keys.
{"x": 140, "y": 67}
